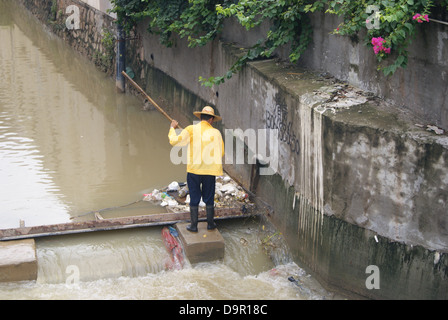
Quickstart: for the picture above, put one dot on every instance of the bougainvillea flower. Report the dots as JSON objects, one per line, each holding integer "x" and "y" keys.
{"x": 420, "y": 18}
{"x": 378, "y": 45}
{"x": 377, "y": 41}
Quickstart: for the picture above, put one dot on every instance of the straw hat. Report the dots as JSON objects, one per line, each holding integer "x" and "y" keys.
{"x": 209, "y": 111}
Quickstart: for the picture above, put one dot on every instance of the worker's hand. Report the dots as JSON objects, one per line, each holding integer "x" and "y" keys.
{"x": 174, "y": 124}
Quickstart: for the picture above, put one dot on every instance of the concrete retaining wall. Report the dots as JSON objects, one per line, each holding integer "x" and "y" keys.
{"x": 421, "y": 88}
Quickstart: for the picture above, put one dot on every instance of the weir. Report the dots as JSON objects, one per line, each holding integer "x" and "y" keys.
{"x": 102, "y": 224}
{"x": 18, "y": 261}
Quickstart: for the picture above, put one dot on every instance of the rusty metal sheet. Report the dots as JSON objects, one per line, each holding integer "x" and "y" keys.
{"x": 113, "y": 224}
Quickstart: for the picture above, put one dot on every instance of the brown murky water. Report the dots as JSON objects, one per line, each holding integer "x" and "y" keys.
{"x": 70, "y": 144}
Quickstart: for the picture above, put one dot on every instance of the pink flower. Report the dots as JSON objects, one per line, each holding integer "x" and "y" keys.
{"x": 420, "y": 18}
{"x": 378, "y": 45}
{"x": 377, "y": 41}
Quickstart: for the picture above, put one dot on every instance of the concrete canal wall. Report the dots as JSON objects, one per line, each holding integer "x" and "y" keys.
{"x": 421, "y": 88}
{"x": 359, "y": 191}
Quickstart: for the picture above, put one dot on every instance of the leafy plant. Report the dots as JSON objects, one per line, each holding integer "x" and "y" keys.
{"x": 390, "y": 24}
{"x": 290, "y": 25}
{"x": 53, "y": 10}
{"x": 387, "y": 21}
{"x": 195, "y": 19}
{"x": 105, "y": 59}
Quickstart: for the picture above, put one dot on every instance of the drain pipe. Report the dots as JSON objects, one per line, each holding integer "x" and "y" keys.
{"x": 120, "y": 58}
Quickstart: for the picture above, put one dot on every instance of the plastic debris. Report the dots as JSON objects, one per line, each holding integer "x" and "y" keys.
{"x": 174, "y": 249}
{"x": 176, "y": 196}
{"x": 183, "y": 191}
{"x": 201, "y": 203}
{"x": 173, "y": 186}
{"x": 434, "y": 128}
{"x": 228, "y": 188}
{"x": 155, "y": 195}
{"x": 173, "y": 231}
{"x": 169, "y": 202}
{"x": 130, "y": 72}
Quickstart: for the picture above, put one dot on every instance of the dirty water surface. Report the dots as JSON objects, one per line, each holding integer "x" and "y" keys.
{"x": 70, "y": 144}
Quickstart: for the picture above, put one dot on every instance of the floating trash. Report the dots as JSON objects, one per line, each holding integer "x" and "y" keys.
{"x": 176, "y": 195}
{"x": 173, "y": 186}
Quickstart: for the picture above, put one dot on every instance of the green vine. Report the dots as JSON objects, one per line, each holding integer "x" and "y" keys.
{"x": 289, "y": 25}
{"x": 53, "y": 10}
{"x": 105, "y": 58}
{"x": 389, "y": 24}
{"x": 195, "y": 19}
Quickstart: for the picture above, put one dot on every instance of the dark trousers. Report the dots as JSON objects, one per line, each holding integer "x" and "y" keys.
{"x": 207, "y": 191}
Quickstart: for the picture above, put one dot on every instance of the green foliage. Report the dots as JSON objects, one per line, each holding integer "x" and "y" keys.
{"x": 195, "y": 19}
{"x": 395, "y": 24}
{"x": 105, "y": 59}
{"x": 200, "y": 21}
{"x": 53, "y": 10}
{"x": 108, "y": 41}
{"x": 289, "y": 25}
{"x": 126, "y": 11}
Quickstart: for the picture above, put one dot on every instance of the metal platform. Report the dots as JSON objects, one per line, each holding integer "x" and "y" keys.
{"x": 101, "y": 224}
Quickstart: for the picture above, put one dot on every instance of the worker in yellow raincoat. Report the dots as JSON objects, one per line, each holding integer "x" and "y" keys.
{"x": 205, "y": 153}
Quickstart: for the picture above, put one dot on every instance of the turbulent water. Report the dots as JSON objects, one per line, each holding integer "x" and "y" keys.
{"x": 131, "y": 265}
{"x": 70, "y": 144}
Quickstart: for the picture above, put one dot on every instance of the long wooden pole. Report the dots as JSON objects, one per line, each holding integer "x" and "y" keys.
{"x": 148, "y": 97}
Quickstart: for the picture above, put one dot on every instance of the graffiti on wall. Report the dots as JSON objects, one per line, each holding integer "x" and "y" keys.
{"x": 277, "y": 118}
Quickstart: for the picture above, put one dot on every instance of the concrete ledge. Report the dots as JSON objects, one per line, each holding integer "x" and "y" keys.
{"x": 201, "y": 246}
{"x": 18, "y": 260}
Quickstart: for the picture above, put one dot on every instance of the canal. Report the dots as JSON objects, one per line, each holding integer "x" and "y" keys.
{"x": 70, "y": 144}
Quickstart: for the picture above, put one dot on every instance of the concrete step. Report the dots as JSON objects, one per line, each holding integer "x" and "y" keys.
{"x": 18, "y": 260}
{"x": 205, "y": 245}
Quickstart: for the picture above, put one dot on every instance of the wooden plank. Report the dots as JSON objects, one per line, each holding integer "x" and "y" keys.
{"x": 113, "y": 224}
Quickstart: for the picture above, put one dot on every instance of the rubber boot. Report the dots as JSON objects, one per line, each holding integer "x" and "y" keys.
{"x": 210, "y": 215}
{"x": 193, "y": 227}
